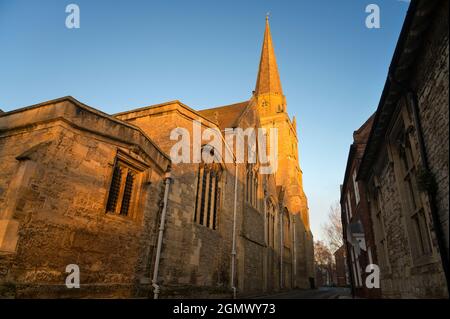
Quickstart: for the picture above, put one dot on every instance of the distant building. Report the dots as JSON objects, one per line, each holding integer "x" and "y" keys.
{"x": 325, "y": 275}
{"x": 342, "y": 278}
{"x": 356, "y": 223}
{"x": 405, "y": 166}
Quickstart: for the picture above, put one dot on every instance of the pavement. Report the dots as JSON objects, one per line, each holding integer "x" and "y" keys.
{"x": 320, "y": 293}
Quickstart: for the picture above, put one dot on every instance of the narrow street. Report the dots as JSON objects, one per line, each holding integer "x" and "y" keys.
{"x": 320, "y": 293}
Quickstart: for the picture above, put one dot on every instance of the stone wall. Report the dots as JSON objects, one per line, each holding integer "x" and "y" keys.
{"x": 403, "y": 279}
{"x": 195, "y": 259}
{"x": 431, "y": 84}
{"x": 60, "y": 209}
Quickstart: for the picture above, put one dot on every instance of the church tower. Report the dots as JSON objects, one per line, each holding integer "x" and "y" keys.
{"x": 271, "y": 104}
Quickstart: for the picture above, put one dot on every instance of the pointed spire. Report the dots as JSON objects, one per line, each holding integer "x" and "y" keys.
{"x": 268, "y": 78}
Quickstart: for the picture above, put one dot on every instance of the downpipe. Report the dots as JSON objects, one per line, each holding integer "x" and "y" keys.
{"x": 156, "y": 287}
{"x": 294, "y": 251}
{"x": 233, "y": 248}
{"x": 281, "y": 249}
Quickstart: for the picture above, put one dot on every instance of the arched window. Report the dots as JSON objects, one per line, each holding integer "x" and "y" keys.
{"x": 286, "y": 229}
{"x": 270, "y": 224}
{"x": 251, "y": 194}
{"x": 208, "y": 194}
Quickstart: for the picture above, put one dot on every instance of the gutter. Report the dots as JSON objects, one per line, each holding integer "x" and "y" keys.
{"x": 167, "y": 181}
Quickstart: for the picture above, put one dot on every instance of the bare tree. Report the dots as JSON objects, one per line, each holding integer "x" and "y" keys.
{"x": 324, "y": 264}
{"x": 332, "y": 229}
{"x": 322, "y": 254}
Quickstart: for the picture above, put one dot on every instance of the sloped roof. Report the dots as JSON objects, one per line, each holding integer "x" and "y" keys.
{"x": 144, "y": 111}
{"x": 411, "y": 40}
{"x": 362, "y": 134}
{"x": 225, "y": 116}
{"x": 360, "y": 137}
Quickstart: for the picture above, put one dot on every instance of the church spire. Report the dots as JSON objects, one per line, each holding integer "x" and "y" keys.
{"x": 268, "y": 78}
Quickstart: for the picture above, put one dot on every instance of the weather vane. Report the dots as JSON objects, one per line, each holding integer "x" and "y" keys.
{"x": 267, "y": 15}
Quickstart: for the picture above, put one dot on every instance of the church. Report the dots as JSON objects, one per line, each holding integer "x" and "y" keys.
{"x": 98, "y": 193}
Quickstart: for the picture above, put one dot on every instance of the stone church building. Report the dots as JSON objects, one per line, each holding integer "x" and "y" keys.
{"x": 84, "y": 190}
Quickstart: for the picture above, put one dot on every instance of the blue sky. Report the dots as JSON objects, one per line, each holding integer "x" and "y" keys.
{"x": 206, "y": 53}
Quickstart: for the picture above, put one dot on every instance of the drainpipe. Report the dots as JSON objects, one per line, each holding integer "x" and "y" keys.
{"x": 281, "y": 249}
{"x": 167, "y": 180}
{"x": 266, "y": 241}
{"x": 294, "y": 251}
{"x": 431, "y": 194}
{"x": 233, "y": 248}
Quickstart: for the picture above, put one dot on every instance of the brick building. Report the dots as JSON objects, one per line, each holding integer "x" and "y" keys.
{"x": 78, "y": 186}
{"x": 356, "y": 222}
{"x": 404, "y": 169}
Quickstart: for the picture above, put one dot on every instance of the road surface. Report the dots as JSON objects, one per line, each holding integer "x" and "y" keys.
{"x": 320, "y": 293}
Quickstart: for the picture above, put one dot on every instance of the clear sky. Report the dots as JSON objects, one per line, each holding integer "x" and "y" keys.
{"x": 133, "y": 53}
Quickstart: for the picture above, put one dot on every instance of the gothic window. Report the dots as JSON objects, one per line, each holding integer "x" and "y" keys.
{"x": 286, "y": 230}
{"x": 208, "y": 194}
{"x": 121, "y": 189}
{"x": 270, "y": 224}
{"x": 251, "y": 193}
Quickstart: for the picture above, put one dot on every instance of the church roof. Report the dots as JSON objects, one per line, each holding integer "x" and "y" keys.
{"x": 268, "y": 77}
{"x": 226, "y": 116}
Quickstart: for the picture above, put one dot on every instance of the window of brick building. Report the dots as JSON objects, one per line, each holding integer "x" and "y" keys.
{"x": 355, "y": 186}
{"x": 349, "y": 206}
{"x": 356, "y": 268}
{"x": 208, "y": 194}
